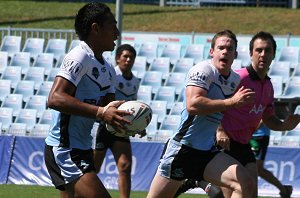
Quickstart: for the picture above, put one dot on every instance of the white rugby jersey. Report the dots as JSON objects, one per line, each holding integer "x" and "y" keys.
{"x": 199, "y": 131}
{"x": 126, "y": 89}
{"x": 92, "y": 80}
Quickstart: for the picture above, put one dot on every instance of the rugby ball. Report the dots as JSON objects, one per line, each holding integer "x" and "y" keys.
{"x": 140, "y": 118}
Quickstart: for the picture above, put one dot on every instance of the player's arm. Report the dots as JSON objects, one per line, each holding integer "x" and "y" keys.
{"x": 198, "y": 104}
{"x": 61, "y": 99}
{"x": 276, "y": 124}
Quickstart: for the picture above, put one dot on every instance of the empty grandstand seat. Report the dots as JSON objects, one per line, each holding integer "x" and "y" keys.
{"x": 57, "y": 47}
{"x": 73, "y": 44}
{"x": 28, "y": 117}
{"x": 170, "y": 122}
{"x": 52, "y": 74}
{"x": 37, "y": 102}
{"x": 5, "y": 88}
{"x": 11, "y": 44}
{"x": 195, "y": 51}
{"x": 176, "y": 108}
{"x": 59, "y": 61}
{"x": 297, "y": 110}
{"x": 153, "y": 79}
{"x": 172, "y": 51}
{"x": 293, "y": 132}
{"x": 140, "y": 65}
{"x": 36, "y": 74}
{"x": 152, "y": 126}
{"x": 149, "y": 50}
{"x": 275, "y": 138}
{"x": 176, "y": 79}
{"x": 34, "y": 46}
{"x": 290, "y": 54}
{"x": 277, "y": 82}
{"x": 296, "y": 71}
{"x": 180, "y": 97}
{"x": 244, "y": 55}
{"x": 44, "y": 88}
{"x": 13, "y": 73}
{"x": 144, "y": 93}
{"x": 44, "y": 60}
{"x": 183, "y": 65}
{"x": 6, "y": 117}
{"x": 14, "y": 101}
{"x": 26, "y": 88}
{"x": 40, "y": 130}
{"x": 17, "y": 129}
{"x": 3, "y": 61}
{"x": 21, "y": 59}
{"x": 159, "y": 107}
{"x": 280, "y": 68}
{"x": 167, "y": 93}
{"x": 292, "y": 89}
{"x": 163, "y": 135}
{"x": 161, "y": 64}
{"x": 46, "y": 117}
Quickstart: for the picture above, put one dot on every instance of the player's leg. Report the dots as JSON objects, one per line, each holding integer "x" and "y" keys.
{"x": 123, "y": 157}
{"x": 72, "y": 170}
{"x": 102, "y": 142}
{"x": 162, "y": 187}
{"x": 225, "y": 171}
{"x": 260, "y": 152}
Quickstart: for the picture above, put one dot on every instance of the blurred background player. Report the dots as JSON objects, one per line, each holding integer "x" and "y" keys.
{"x": 127, "y": 86}
{"x": 191, "y": 153}
{"x": 75, "y": 98}
{"x": 259, "y": 144}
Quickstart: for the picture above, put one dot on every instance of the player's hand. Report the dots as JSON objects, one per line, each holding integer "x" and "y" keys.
{"x": 111, "y": 115}
{"x": 142, "y": 133}
{"x": 291, "y": 122}
{"x": 222, "y": 138}
{"x": 242, "y": 96}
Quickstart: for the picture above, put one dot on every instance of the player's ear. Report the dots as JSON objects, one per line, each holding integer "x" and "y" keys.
{"x": 211, "y": 52}
{"x": 95, "y": 27}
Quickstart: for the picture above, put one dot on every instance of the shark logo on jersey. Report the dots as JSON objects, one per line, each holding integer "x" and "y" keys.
{"x": 95, "y": 72}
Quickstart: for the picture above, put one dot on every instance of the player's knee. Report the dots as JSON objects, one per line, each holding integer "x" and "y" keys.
{"x": 124, "y": 167}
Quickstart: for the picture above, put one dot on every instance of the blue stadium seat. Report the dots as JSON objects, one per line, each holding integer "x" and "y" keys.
{"x": 244, "y": 55}
{"x": 149, "y": 50}
{"x": 37, "y": 102}
{"x": 140, "y": 65}
{"x": 159, "y": 107}
{"x": 145, "y": 93}
{"x": 57, "y": 47}
{"x": 166, "y": 93}
{"x": 36, "y": 74}
{"x": 290, "y": 54}
{"x": 195, "y": 51}
{"x": 26, "y": 88}
{"x": 153, "y": 79}
{"x": 11, "y": 44}
{"x": 21, "y": 59}
{"x": 173, "y": 51}
{"x": 40, "y": 130}
{"x": 34, "y": 46}
{"x": 281, "y": 68}
{"x": 28, "y": 117}
{"x": 45, "y": 60}
{"x": 6, "y": 118}
{"x": 17, "y": 129}
{"x": 292, "y": 89}
{"x": 3, "y": 61}
{"x": 161, "y": 64}
{"x": 14, "y": 101}
{"x": 176, "y": 108}
{"x": 183, "y": 65}
{"x": 170, "y": 122}
{"x": 277, "y": 82}
{"x": 176, "y": 79}
{"x": 5, "y": 89}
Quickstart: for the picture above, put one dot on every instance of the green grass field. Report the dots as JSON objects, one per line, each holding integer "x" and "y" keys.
{"x": 242, "y": 20}
{"x": 22, "y": 191}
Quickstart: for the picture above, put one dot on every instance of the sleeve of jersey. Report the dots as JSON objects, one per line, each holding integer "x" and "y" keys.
{"x": 113, "y": 74}
{"x": 72, "y": 70}
{"x": 199, "y": 76}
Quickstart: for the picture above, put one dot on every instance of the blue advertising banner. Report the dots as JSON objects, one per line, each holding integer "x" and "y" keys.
{"x": 145, "y": 160}
{"x": 27, "y": 166}
{"x": 6, "y": 148}
{"x": 284, "y": 163}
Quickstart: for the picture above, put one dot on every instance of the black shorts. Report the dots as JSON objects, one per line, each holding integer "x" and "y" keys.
{"x": 104, "y": 139}
{"x": 78, "y": 163}
{"x": 260, "y": 150}
{"x": 181, "y": 162}
{"x": 241, "y": 152}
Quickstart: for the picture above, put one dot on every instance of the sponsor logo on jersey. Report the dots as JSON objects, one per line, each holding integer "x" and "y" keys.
{"x": 73, "y": 67}
{"x": 197, "y": 76}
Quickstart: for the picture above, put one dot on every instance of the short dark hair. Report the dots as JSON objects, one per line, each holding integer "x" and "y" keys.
{"x": 263, "y": 36}
{"x": 227, "y": 33}
{"x": 90, "y": 13}
{"x": 123, "y": 47}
